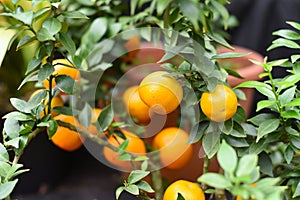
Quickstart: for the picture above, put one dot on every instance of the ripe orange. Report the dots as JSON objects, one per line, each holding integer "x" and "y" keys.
{"x": 174, "y": 153}
{"x": 162, "y": 93}
{"x": 56, "y": 101}
{"x": 135, "y": 106}
{"x": 219, "y": 105}
{"x": 132, "y": 46}
{"x": 189, "y": 190}
{"x": 61, "y": 69}
{"x": 95, "y": 114}
{"x": 65, "y": 138}
{"x": 136, "y": 146}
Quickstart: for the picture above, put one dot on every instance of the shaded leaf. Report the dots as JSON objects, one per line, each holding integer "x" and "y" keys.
{"x": 267, "y": 127}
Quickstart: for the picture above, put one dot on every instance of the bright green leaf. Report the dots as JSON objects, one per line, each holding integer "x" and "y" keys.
{"x": 137, "y": 175}
{"x": 215, "y": 180}
{"x": 227, "y": 157}
{"x": 246, "y": 165}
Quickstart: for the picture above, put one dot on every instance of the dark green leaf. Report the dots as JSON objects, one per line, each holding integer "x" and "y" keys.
{"x": 52, "y": 128}
{"x": 190, "y": 10}
{"x": 26, "y": 40}
{"x": 219, "y": 39}
{"x": 66, "y": 110}
{"x": 65, "y": 83}
{"x": 45, "y": 72}
{"x": 297, "y": 191}
{"x": 227, "y": 157}
{"x": 196, "y": 135}
{"x": 265, "y": 164}
{"x": 236, "y": 142}
{"x": 289, "y": 154}
{"x": 180, "y": 197}
{"x": 105, "y": 118}
{"x": 137, "y": 175}
{"x": 7, "y": 188}
{"x": 249, "y": 129}
{"x": 257, "y": 147}
{"x": 68, "y": 43}
{"x": 74, "y": 15}
{"x": 123, "y": 146}
{"x": 215, "y": 180}
{"x": 33, "y": 64}
{"x": 267, "y": 127}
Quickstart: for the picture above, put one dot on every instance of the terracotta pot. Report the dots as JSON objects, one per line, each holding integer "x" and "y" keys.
{"x": 247, "y": 69}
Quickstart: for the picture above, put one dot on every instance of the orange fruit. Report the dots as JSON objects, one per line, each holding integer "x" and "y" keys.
{"x": 162, "y": 93}
{"x": 189, "y": 190}
{"x": 175, "y": 152}
{"x": 56, "y": 101}
{"x": 135, "y": 106}
{"x": 95, "y": 114}
{"x": 65, "y": 138}
{"x": 219, "y": 105}
{"x": 135, "y": 145}
{"x": 132, "y": 46}
{"x": 60, "y": 68}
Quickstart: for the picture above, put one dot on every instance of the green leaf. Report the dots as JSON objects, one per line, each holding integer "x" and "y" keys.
{"x": 52, "y": 128}
{"x": 297, "y": 191}
{"x": 281, "y": 42}
{"x": 215, "y": 180}
{"x": 265, "y": 104}
{"x": 96, "y": 31}
{"x": 227, "y": 157}
{"x": 296, "y": 25}
{"x": 67, "y": 43}
{"x": 180, "y": 197}
{"x": 263, "y": 88}
{"x": 229, "y": 55}
{"x": 65, "y": 83}
{"x": 44, "y": 35}
{"x": 45, "y": 72}
{"x": 287, "y": 34}
{"x": 190, "y": 10}
{"x": 265, "y": 164}
{"x": 196, "y": 135}
{"x": 18, "y": 116}
{"x": 66, "y": 110}
{"x": 4, "y": 156}
{"x": 33, "y": 64}
{"x": 7, "y": 188}
{"x": 11, "y": 128}
{"x": 257, "y": 147}
{"x": 105, "y": 118}
{"x": 295, "y": 58}
{"x": 267, "y": 127}
{"x": 123, "y": 146}
{"x": 133, "y": 6}
{"x": 15, "y": 142}
{"x": 289, "y": 154}
{"x": 143, "y": 185}
{"x": 211, "y": 143}
{"x": 6, "y": 35}
{"x": 19, "y": 104}
{"x": 53, "y": 25}
{"x": 132, "y": 189}
{"x": 258, "y": 119}
{"x": 289, "y": 114}
{"x": 246, "y": 165}
{"x": 292, "y": 103}
{"x": 219, "y": 39}
{"x": 223, "y": 12}
{"x": 119, "y": 191}
{"x": 137, "y": 175}
{"x": 25, "y": 17}
{"x": 74, "y": 15}
{"x": 287, "y": 95}
{"x": 85, "y": 115}
{"x": 26, "y": 40}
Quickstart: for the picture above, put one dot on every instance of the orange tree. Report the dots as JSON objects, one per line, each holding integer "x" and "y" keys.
{"x": 91, "y": 37}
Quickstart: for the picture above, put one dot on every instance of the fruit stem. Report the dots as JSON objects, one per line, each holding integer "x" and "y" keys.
{"x": 157, "y": 184}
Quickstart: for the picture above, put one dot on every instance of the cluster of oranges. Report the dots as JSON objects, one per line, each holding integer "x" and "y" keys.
{"x": 157, "y": 94}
